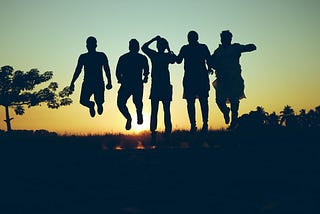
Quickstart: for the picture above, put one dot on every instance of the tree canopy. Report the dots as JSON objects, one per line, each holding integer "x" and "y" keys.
{"x": 19, "y": 89}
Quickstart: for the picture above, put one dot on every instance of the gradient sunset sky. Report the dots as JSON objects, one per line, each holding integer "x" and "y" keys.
{"x": 50, "y": 36}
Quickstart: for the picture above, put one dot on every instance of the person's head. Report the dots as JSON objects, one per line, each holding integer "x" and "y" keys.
{"x": 134, "y": 46}
{"x": 226, "y": 37}
{"x": 162, "y": 45}
{"x": 193, "y": 37}
{"x": 91, "y": 43}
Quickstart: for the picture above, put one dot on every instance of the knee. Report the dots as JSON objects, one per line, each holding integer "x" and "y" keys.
{"x": 83, "y": 101}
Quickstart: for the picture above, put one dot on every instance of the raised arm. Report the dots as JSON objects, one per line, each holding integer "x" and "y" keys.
{"x": 145, "y": 47}
{"x": 107, "y": 72}
{"x": 76, "y": 73}
{"x": 172, "y": 55}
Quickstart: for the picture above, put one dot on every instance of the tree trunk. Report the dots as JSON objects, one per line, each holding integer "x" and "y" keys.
{"x": 8, "y": 119}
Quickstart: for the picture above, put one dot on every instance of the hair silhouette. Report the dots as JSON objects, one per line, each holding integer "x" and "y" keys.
{"x": 134, "y": 46}
{"x": 193, "y": 37}
{"x": 91, "y": 43}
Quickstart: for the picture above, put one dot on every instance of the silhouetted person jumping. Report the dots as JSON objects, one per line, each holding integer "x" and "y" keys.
{"x": 130, "y": 68}
{"x": 196, "y": 78}
{"x": 229, "y": 84}
{"x": 93, "y": 83}
{"x": 161, "y": 88}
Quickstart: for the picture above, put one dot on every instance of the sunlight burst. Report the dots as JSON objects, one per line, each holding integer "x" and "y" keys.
{"x": 143, "y": 127}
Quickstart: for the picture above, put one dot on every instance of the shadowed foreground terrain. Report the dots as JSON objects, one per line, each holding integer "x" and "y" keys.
{"x": 268, "y": 171}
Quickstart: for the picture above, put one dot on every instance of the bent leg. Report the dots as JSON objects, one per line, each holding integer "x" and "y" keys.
{"x": 99, "y": 96}
{"x": 222, "y": 104}
{"x": 123, "y": 96}
{"x": 234, "y": 110}
{"x": 85, "y": 95}
{"x": 137, "y": 100}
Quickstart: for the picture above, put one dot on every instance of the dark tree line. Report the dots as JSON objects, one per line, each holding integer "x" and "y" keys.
{"x": 287, "y": 118}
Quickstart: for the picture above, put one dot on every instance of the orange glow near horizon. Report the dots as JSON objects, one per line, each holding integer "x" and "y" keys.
{"x": 136, "y": 128}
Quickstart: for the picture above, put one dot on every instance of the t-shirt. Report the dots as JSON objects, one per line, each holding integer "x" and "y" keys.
{"x": 93, "y": 63}
{"x": 130, "y": 68}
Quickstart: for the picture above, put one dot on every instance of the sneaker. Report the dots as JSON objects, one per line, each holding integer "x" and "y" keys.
{"x": 140, "y": 119}
{"x": 226, "y": 116}
{"x": 128, "y": 124}
{"x": 92, "y": 111}
{"x": 100, "y": 109}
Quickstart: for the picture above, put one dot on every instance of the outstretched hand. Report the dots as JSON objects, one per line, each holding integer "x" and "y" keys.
{"x": 108, "y": 86}
{"x": 71, "y": 87}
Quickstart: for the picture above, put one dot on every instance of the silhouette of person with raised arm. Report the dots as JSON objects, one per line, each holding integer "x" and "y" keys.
{"x": 130, "y": 68}
{"x": 196, "y": 78}
{"x": 93, "y": 84}
{"x": 229, "y": 84}
{"x": 161, "y": 88}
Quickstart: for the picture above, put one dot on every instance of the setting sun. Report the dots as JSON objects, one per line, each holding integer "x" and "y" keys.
{"x": 136, "y": 128}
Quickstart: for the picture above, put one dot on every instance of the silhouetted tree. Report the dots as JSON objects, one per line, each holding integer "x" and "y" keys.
{"x": 302, "y": 119}
{"x": 273, "y": 120}
{"x": 254, "y": 120}
{"x": 317, "y": 118}
{"x": 318, "y": 110}
{"x": 312, "y": 119}
{"x": 17, "y": 89}
{"x": 287, "y": 116}
{"x": 259, "y": 116}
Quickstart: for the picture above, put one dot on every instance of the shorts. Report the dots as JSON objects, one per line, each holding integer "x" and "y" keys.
{"x": 88, "y": 89}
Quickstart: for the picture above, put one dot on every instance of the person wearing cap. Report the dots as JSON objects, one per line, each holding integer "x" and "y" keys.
{"x": 161, "y": 88}
{"x": 130, "y": 68}
{"x": 196, "y": 78}
{"x": 93, "y": 84}
{"x": 229, "y": 84}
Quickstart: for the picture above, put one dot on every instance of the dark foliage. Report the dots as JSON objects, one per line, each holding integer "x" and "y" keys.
{"x": 18, "y": 89}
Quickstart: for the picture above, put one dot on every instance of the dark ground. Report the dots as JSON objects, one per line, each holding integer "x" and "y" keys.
{"x": 234, "y": 175}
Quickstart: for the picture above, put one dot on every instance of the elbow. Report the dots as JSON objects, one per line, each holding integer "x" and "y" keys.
{"x": 144, "y": 48}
